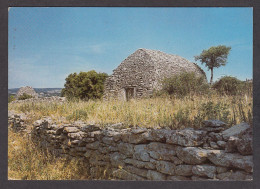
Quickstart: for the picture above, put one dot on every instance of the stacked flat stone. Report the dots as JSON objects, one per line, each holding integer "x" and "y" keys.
{"x": 144, "y": 70}
{"x": 150, "y": 154}
{"x": 17, "y": 121}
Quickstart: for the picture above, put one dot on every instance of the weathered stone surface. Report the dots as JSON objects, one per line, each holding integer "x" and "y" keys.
{"x": 71, "y": 130}
{"x": 219, "y": 157}
{"x": 221, "y": 144}
{"x": 89, "y": 128}
{"x": 88, "y": 153}
{"x": 235, "y": 176}
{"x": 204, "y": 170}
{"x": 94, "y": 145}
{"x": 160, "y": 134}
{"x": 93, "y": 134}
{"x": 231, "y": 145}
{"x": 141, "y": 152}
{"x": 213, "y": 129}
{"x": 138, "y": 130}
{"x": 162, "y": 151}
{"x": 165, "y": 167}
{"x": 245, "y": 144}
{"x": 178, "y": 178}
{"x": 116, "y": 159}
{"x": 215, "y": 136}
{"x": 117, "y": 126}
{"x": 108, "y": 140}
{"x": 134, "y": 138}
{"x": 126, "y": 148}
{"x": 154, "y": 175}
{"x": 214, "y": 145}
{"x": 124, "y": 175}
{"x": 197, "y": 178}
{"x": 192, "y": 155}
{"x": 186, "y": 137}
{"x": 88, "y": 140}
{"x": 214, "y": 123}
{"x": 140, "y": 164}
{"x": 236, "y": 130}
{"x": 221, "y": 169}
{"x": 81, "y": 149}
{"x": 78, "y": 136}
{"x": 139, "y": 172}
{"x": 184, "y": 170}
{"x": 107, "y": 149}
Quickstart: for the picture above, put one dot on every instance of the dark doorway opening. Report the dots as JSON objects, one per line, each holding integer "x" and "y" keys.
{"x": 130, "y": 93}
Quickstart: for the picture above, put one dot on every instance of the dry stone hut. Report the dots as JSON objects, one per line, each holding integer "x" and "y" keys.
{"x": 27, "y": 90}
{"x": 140, "y": 73}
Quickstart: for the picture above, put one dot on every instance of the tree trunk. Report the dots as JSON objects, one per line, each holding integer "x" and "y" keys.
{"x": 211, "y": 78}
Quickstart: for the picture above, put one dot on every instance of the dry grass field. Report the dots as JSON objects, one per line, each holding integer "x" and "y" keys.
{"x": 170, "y": 112}
{"x": 27, "y": 162}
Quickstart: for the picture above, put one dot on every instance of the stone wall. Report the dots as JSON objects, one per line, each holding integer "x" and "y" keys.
{"x": 212, "y": 153}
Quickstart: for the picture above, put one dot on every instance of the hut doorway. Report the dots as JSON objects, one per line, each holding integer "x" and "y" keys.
{"x": 130, "y": 93}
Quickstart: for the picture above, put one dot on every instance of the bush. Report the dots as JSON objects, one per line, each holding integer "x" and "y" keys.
{"x": 85, "y": 85}
{"x": 11, "y": 98}
{"x": 185, "y": 84}
{"x": 24, "y": 96}
{"x": 228, "y": 85}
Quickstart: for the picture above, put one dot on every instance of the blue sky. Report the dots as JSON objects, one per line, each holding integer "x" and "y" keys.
{"x": 47, "y": 44}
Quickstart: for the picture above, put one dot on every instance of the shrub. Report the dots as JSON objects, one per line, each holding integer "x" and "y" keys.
{"x": 24, "y": 96}
{"x": 85, "y": 85}
{"x": 228, "y": 85}
{"x": 11, "y": 98}
{"x": 185, "y": 84}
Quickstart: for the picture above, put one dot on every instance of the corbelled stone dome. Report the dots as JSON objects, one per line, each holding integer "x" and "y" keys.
{"x": 26, "y": 90}
{"x": 141, "y": 72}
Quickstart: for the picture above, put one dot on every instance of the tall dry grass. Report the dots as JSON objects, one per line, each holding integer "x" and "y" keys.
{"x": 27, "y": 162}
{"x": 170, "y": 112}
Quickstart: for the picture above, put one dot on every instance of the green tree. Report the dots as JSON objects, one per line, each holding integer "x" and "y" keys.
{"x": 214, "y": 57}
{"x": 85, "y": 85}
{"x": 229, "y": 85}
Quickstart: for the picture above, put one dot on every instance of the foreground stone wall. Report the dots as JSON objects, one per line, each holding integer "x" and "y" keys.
{"x": 116, "y": 152}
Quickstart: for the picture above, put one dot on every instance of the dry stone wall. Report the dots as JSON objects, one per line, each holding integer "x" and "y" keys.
{"x": 212, "y": 153}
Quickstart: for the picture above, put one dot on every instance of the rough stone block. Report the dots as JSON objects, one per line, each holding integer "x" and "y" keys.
{"x": 192, "y": 155}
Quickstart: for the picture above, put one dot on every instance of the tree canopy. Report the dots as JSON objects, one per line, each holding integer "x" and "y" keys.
{"x": 214, "y": 57}
{"x": 85, "y": 85}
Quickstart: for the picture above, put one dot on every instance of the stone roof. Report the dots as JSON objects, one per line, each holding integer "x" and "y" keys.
{"x": 142, "y": 72}
{"x": 164, "y": 64}
{"x": 27, "y": 90}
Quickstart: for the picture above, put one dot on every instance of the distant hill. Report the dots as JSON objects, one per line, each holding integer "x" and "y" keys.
{"x": 43, "y": 92}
